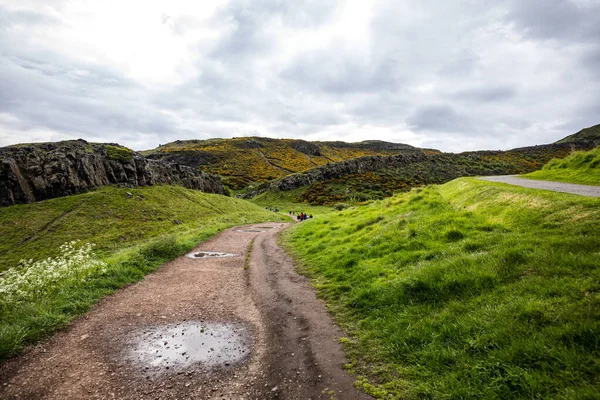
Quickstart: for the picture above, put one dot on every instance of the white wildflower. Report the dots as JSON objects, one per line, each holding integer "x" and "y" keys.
{"x": 30, "y": 279}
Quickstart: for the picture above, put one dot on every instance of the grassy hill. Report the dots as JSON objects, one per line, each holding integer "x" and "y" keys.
{"x": 241, "y": 161}
{"x": 581, "y": 167}
{"x": 589, "y": 135}
{"x": 135, "y": 230}
{"x": 372, "y": 178}
{"x": 469, "y": 290}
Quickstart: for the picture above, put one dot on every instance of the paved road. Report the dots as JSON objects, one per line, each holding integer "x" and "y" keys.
{"x": 583, "y": 190}
{"x": 286, "y": 338}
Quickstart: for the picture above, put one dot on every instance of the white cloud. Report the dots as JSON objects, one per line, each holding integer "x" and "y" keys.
{"x": 457, "y": 75}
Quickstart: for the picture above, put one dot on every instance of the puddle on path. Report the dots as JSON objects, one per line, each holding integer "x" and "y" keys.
{"x": 209, "y": 254}
{"x": 250, "y": 230}
{"x": 265, "y": 227}
{"x": 201, "y": 345}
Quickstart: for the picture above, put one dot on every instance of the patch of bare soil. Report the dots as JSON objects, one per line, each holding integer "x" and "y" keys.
{"x": 199, "y": 328}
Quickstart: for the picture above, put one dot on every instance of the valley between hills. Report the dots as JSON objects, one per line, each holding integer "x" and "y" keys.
{"x": 431, "y": 283}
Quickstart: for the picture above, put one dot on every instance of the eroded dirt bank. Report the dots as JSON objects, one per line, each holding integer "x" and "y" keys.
{"x": 259, "y": 333}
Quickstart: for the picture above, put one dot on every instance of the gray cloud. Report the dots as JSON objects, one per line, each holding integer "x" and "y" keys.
{"x": 564, "y": 20}
{"x": 440, "y": 118}
{"x": 251, "y": 24}
{"x": 73, "y": 98}
{"x": 24, "y": 18}
{"x": 456, "y": 75}
{"x": 339, "y": 72}
{"x": 485, "y": 94}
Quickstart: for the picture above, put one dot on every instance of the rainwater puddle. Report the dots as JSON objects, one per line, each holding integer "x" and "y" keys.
{"x": 173, "y": 348}
{"x": 250, "y": 230}
{"x": 265, "y": 227}
{"x": 209, "y": 254}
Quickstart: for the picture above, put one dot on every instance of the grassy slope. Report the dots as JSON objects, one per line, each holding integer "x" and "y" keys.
{"x": 135, "y": 235}
{"x": 591, "y": 134}
{"x": 468, "y": 290}
{"x": 581, "y": 167}
{"x": 441, "y": 168}
{"x": 113, "y": 220}
{"x": 288, "y": 201}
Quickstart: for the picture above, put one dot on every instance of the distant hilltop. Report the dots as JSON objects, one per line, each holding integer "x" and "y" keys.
{"x": 245, "y": 160}
{"x": 589, "y": 135}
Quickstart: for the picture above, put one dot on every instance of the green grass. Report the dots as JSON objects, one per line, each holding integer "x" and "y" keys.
{"x": 590, "y": 135}
{"x": 288, "y": 201}
{"x": 581, "y": 167}
{"x": 470, "y": 290}
{"x": 115, "y": 218}
{"x": 136, "y": 231}
{"x": 118, "y": 153}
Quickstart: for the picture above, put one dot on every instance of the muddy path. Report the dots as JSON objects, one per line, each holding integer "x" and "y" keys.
{"x": 201, "y": 327}
{"x": 582, "y": 190}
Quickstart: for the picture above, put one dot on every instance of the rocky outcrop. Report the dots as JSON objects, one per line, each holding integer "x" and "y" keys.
{"x": 36, "y": 172}
{"x": 373, "y": 145}
{"x": 192, "y": 158}
{"x": 427, "y": 168}
{"x": 337, "y": 170}
{"x": 308, "y": 148}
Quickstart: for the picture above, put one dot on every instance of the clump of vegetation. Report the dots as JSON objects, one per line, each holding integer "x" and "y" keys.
{"x": 30, "y": 280}
{"x": 581, "y": 167}
{"x": 135, "y": 231}
{"x": 118, "y": 153}
{"x": 468, "y": 290}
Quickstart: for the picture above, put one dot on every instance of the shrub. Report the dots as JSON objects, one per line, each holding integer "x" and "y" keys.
{"x": 121, "y": 154}
{"x": 340, "y": 206}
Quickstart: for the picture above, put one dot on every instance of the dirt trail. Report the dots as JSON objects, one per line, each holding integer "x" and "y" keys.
{"x": 583, "y": 190}
{"x": 293, "y": 351}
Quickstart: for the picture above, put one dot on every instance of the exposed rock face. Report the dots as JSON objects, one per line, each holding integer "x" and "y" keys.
{"x": 336, "y": 170}
{"x": 377, "y": 145}
{"x": 192, "y": 159}
{"x": 308, "y": 148}
{"x": 36, "y": 172}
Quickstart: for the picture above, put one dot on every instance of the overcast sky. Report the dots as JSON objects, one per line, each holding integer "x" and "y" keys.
{"x": 454, "y": 75}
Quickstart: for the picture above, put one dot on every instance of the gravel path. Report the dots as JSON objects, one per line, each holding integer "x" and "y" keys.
{"x": 132, "y": 345}
{"x": 583, "y": 190}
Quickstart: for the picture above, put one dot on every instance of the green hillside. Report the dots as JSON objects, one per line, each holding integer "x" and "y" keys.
{"x": 581, "y": 167}
{"x": 135, "y": 230}
{"x": 374, "y": 178}
{"x": 470, "y": 290}
{"x": 241, "y": 161}
{"x": 589, "y": 135}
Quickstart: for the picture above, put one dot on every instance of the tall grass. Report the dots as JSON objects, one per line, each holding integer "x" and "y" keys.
{"x": 468, "y": 290}
{"x": 581, "y": 167}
